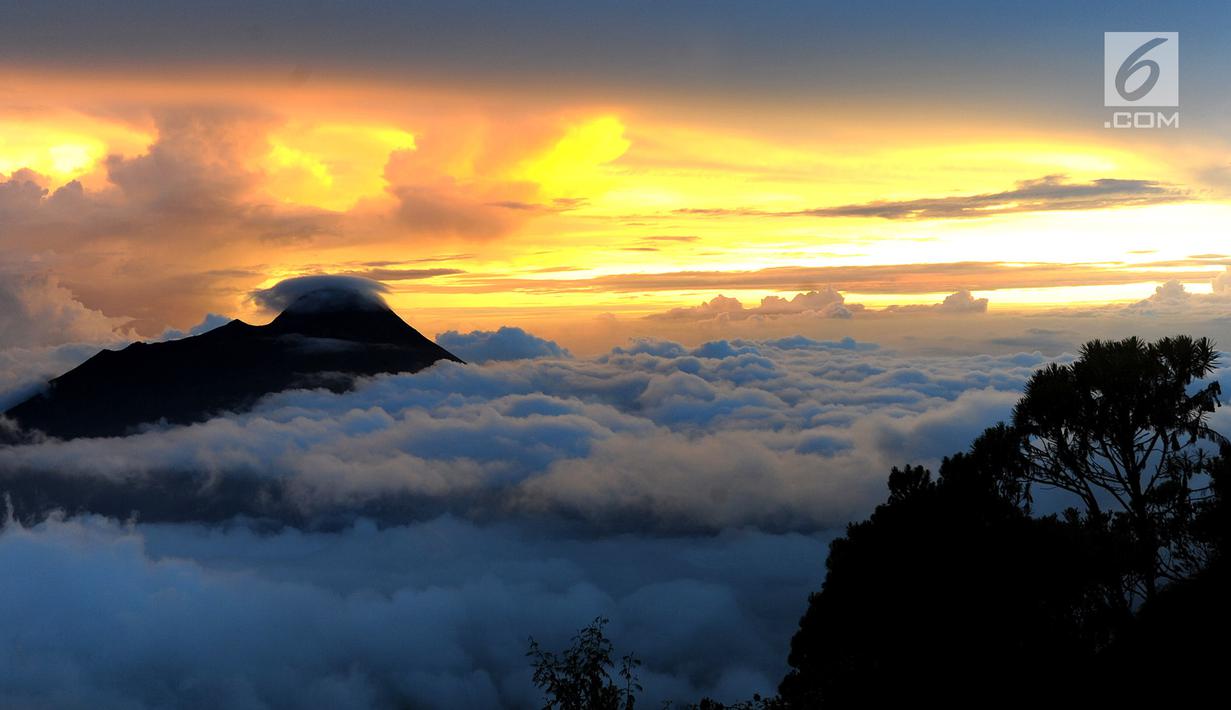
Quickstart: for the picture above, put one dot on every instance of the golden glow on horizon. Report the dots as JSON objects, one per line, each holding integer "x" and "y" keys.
{"x": 520, "y": 195}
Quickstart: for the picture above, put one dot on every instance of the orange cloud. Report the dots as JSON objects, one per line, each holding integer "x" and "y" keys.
{"x": 160, "y": 200}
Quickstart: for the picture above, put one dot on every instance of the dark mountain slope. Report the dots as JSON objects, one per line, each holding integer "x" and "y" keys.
{"x": 313, "y": 343}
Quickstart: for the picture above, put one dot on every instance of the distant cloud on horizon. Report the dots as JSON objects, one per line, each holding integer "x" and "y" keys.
{"x": 1048, "y": 193}
{"x": 934, "y": 277}
{"x": 507, "y": 343}
{"x": 823, "y": 303}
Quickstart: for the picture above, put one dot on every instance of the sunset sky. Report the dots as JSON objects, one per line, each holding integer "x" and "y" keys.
{"x": 508, "y": 164}
{"x": 700, "y": 275}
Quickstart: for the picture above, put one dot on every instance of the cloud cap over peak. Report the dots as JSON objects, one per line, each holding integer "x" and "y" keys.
{"x": 322, "y": 293}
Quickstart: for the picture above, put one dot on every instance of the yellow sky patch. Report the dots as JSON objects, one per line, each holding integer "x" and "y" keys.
{"x": 330, "y": 165}
{"x": 573, "y": 166}
{"x": 638, "y": 189}
{"x": 63, "y": 147}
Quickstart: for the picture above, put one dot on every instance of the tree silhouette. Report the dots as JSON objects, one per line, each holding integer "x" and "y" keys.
{"x": 1120, "y": 428}
{"x": 947, "y": 593}
{"x": 1177, "y": 644}
{"x": 953, "y": 592}
{"x": 579, "y": 677}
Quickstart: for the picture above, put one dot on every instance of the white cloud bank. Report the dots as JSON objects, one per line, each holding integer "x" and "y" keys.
{"x": 792, "y": 434}
{"x": 507, "y": 343}
{"x": 687, "y": 493}
{"x": 1172, "y": 299}
{"x": 825, "y": 303}
{"x": 37, "y": 311}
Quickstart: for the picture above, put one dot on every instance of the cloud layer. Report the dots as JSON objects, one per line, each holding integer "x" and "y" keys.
{"x": 790, "y": 434}
{"x": 434, "y": 614}
{"x": 1051, "y": 192}
{"x": 1047, "y": 193}
{"x": 823, "y": 303}
{"x": 507, "y": 343}
{"x": 396, "y": 544}
{"x": 37, "y": 311}
{"x": 1171, "y": 299}
{"x": 321, "y": 293}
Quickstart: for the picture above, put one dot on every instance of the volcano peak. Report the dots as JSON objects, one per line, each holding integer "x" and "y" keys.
{"x": 325, "y": 337}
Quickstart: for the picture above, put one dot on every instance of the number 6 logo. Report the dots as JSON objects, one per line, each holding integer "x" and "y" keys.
{"x": 1134, "y": 63}
{"x": 1141, "y": 69}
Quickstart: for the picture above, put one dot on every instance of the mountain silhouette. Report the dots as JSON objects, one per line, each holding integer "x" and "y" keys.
{"x": 322, "y": 339}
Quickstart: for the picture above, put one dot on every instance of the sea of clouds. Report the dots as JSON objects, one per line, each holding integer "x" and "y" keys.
{"x": 787, "y": 435}
{"x": 398, "y": 543}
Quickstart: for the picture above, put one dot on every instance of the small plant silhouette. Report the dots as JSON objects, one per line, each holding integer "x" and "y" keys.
{"x": 579, "y": 678}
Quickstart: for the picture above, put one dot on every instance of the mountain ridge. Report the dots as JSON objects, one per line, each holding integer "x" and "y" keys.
{"x": 314, "y": 342}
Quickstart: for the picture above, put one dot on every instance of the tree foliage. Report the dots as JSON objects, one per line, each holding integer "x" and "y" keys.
{"x": 1120, "y": 428}
{"x": 954, "y": 591}
{"x": 945, "y": 593}
{"x": 579, "y": 678}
